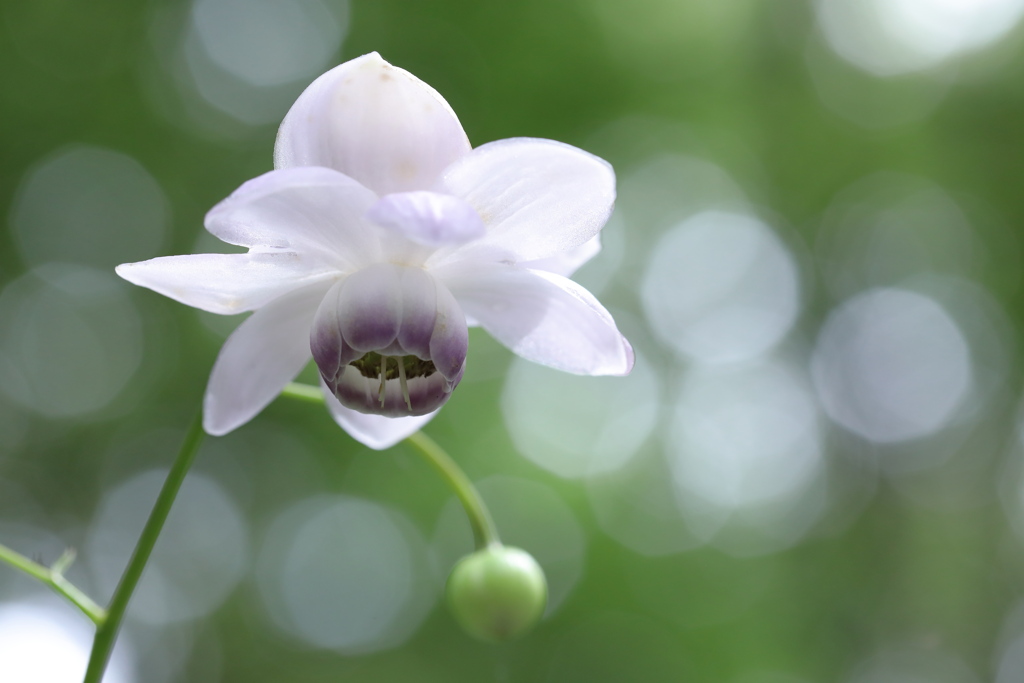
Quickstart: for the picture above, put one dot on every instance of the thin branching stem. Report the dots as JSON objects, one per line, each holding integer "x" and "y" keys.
{"x": 106, "y": 633}
{"x": 54, "y": 578}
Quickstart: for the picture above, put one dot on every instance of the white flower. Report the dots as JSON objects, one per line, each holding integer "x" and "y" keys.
{"x": 378, "y": 237}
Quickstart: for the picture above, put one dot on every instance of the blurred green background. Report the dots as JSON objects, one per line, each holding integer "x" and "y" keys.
{"x": 814, "y": 474}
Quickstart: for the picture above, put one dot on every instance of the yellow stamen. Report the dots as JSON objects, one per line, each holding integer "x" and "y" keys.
{"x": 383, "y": 379}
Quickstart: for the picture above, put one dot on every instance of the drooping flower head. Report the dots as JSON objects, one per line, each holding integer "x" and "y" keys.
{"x": 378, "y": 238}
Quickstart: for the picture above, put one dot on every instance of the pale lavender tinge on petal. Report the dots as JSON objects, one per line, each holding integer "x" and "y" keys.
{"x": 428, "y": 218}
{"x": 370, "y": 307}
{"x": 397, "y": 312}
{"x": 326, "y": 342}
{"x": 538, "y": 198}
{"x": 259, "y": 358}
{"x": 449, "y": 342}
{"x": 541, "y": 316}
{"x": 227, "y": 283}
{"x": 374, "y": 122}
{"x": 419, "y": 312}
{"x": 374, "y": 431}
{"x": 300, "y": 209}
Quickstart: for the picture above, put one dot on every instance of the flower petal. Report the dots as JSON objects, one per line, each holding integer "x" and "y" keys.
{"x": 265, "y": 353}
{"x": 428, "y": 218}
{"x": 300, "y": 209}
{"x": 541, "y": 316}
{"x": 568, "y": 262}
{"x": 376, "y": 431}
{"x": 228, "y": 283}
{"x": 375, "y": 122}
{"x": 538, "y": 198}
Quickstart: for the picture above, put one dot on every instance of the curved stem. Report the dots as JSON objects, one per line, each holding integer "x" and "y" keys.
{"x": 106, "y": 634}
{"x": 54, "y": 578}
{"x": 485, "y": 532}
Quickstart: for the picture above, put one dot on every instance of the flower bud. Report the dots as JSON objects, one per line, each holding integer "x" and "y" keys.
{"x": 390, "y": 340}
{"x": 497, "y": 593}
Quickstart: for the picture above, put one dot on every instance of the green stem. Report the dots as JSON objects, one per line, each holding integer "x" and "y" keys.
{"x": 106, "y": 634}
{"x": 54, "y": 578}
{"x": 304, "y": 392}
{"x": 485, "y": 533}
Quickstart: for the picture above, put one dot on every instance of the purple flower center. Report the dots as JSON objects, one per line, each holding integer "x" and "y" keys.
{"x": 390, "y": 340}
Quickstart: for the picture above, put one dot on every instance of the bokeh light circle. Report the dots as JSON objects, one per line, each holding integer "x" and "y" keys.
{"x": 346, "y": 574}
{"x": 249, "y": 60}
{"x": 721, "y": 288}
{"x": 913, "y": 665}
{"x": 744, "y": 436}
{"x": 200, "y": 557}
{"x": 1011, "y": 659}
{"x": 267, "y": 42}
{"x": 91, "y": 206}
{"x": 888, "y": 227}
{"x": 868, "y": 101}
{"x": 892, "y": 365}
{"x": 891, "y": 37}
{"x": 577, "y": 426}
{"x": 665, "y": 189}
{"x": 70, "y": 340}
{"x": 50, "y": 643}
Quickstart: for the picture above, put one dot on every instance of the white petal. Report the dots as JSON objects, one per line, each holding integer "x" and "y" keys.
{"x": 300, "y": 209}
{"x": 376, "y": 431}
{"x": 428, "y": 218}
{"x": 567, "y": 263}
{"x": 541, "y": 316}
{"x": 375, "y": 122}
{"x": 538, "y": 198}
{"x": 265, "y": 353}
{"x": 228, "y": 283}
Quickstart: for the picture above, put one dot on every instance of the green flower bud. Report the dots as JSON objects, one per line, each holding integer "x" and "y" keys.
{"x": 497, "y": 593}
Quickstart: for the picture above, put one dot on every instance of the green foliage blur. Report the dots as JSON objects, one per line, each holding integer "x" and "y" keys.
{"x": 907, "y": 567}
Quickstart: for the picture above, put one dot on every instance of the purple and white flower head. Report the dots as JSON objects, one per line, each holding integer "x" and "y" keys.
{"x": 380, "y": 236}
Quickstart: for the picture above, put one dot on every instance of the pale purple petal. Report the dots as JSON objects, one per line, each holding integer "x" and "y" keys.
{"x": 259, "y": 358}
{"x": 228, "y": 283}
{"x": 396, "y": 312}
{"x": 369, "y": 307}
{"x": 419, "y": 312}
{"x": 374, "y": 122}
{"x": 300, "y": 209}
{"x": 326, "y": 342}
{"x": 538, "y": 198}
{"x": 375, "y": 431}
{"x": 541, "y": 316}
{"x": 450, "y": 340}
{"x": 567, "y": 263}
{"x": 428, "y": 218}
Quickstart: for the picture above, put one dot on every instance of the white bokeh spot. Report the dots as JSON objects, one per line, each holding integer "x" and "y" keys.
{"x": 721, "y": 288}
{"x": 578, "y": 426}
{"x": 892, "y": 365}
